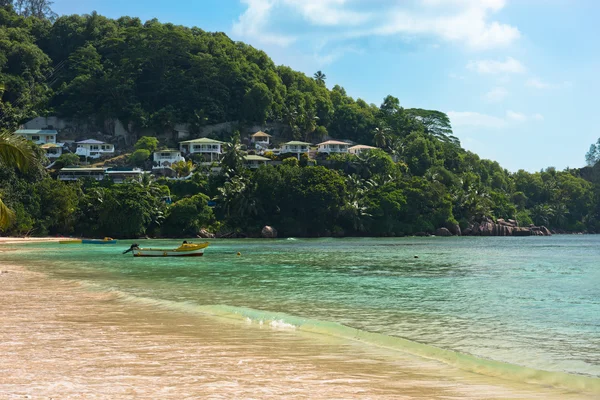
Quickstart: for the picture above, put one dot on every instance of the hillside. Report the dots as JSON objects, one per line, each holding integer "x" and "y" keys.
{"x": 153, "y": 76}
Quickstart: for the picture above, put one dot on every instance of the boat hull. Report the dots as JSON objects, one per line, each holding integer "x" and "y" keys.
{"x": 167, "y": 253}
{"x": 74, "y": 241}
{"x": 185, "y": 250}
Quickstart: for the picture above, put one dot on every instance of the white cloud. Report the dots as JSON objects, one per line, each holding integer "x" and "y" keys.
{"x": 465, "y": 22}
{"x": 475, "y": 119}
{"x": 251, "y": 23}
{"x": 471, "y": 118}
{"x": 508, "y": 66}
{"x": 495, "y": 95}
{"x": 515, "y": 116}
{"x": 539, "y": 84}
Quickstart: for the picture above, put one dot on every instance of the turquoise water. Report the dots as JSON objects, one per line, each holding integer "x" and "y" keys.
{"x": 530, "y": 302}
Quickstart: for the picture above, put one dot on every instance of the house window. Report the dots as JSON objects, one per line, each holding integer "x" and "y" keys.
{"x": 49, "y": 138}
{"x": 94, "y": 147}
{"x": 35, "y": 138}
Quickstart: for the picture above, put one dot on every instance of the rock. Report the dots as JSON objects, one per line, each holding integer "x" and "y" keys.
{"x": 454, "y": 229}
{"x": 545, "y": 231}
{"x": 421, "y": 234}
{"x": 513, "y": 222}
{"x": 269, "y": 232}
{"x": 204, "y": 234}
{"x": 467, "y": 231}
{"x": 443, "y": 232}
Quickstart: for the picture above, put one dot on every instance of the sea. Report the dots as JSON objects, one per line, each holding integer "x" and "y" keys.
{"x": 523, "y": 309}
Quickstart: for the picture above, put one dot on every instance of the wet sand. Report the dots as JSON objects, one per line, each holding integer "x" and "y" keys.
{"x": 58, "y": 340}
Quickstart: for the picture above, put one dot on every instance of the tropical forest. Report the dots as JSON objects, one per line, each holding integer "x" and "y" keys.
{"x": 151, "y": 76}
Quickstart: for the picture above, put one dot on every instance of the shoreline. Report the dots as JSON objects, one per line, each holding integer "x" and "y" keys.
{"x": 60, "y": 339}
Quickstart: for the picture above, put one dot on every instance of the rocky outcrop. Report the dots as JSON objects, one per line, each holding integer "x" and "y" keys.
{"x": 443, "y": 232}
{"x": 454, "y": 229}
{"x": 269, "y": 232}
{"x": 204, "y": 234}
{"x": 487, "y": 227}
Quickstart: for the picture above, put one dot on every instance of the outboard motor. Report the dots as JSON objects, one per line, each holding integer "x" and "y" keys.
{"x": 133, "y": 247}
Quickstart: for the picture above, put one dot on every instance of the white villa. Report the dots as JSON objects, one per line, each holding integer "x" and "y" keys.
{"x": 75, "y": 173}
{"x": 38, "y": 136}
{"x": 99, "y": 173}
{"x": 120, "y": 175}
{"x": 360, "y": 148}
{"x": 295, "y": 147}
{"x": 261, "y": 139}
{"x": 253, "y": 161}
{"x": 94, "y": 148}
{"x": 211, "y": 149}
{"x": 333, "y": 146}
{"x": 53, "y": 150}
{"x": 163, "y": 159}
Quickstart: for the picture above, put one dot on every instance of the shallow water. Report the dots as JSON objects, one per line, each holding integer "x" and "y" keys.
{"x": 529, "y": 302}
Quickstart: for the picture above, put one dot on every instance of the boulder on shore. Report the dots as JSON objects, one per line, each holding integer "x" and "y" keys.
{"x": 443, "y": 232}
{"x": 204, "y": 234}
{"x": 269, "y": 232}
{"x": 487, "y": 227}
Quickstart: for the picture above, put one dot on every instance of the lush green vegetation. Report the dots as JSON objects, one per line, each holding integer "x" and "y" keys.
{"x": 152, "y": 76}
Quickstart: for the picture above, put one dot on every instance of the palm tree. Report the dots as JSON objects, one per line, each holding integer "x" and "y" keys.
{"x": 233, "y": 157}
{"x": 320, "y": 77}
{"x": 380, "y": 136}
{"x": 14, "y": 152}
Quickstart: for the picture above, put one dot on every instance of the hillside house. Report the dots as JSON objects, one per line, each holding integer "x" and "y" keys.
{"x": 360, "y": 148}
{"x": 52, "y": 150}
{"x": 164, "y": 159}
{"x": 332, "y": 146}
{"x": 261, "y": 139}
{"x": 253, "y": 161}
{"x": 210, "y": 149}
{"x": 295, "y": 147}
{"x": 38, "y": 136}
{"x": 92, "y": 148}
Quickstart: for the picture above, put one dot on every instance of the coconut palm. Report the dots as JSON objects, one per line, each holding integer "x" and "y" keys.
{"x": 14, "y": 152}
{"x": 380, "y": 136}
{"x": 320, "y": 77}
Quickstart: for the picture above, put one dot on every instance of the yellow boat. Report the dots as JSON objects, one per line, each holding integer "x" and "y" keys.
{"x": 185, "y": 250}
{"x": 106, "y": 240}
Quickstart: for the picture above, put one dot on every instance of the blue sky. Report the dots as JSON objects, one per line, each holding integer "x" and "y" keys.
{"x": 518, "y": 78}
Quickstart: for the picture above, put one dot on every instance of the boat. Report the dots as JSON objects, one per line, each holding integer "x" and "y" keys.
{"x": 185, "y": 250}
{"x": 106, "y": 240}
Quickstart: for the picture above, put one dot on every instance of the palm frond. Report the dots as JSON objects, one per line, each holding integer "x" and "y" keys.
{"x": 15, "y": 151}
{"x": 7, "y": 216}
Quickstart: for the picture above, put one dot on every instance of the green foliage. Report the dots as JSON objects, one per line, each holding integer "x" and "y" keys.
{"x": 66, "y": 159}
{"x": 187, "y": 216}
{"x": 152, "y": 76}
{"x": 147, "y": 143}
{"x": 139, "y": 157}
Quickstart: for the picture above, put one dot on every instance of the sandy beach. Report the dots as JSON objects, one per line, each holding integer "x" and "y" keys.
{"x": 60, "y": 340}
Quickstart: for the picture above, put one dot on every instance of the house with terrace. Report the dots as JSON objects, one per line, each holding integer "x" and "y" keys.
{"x": 164, "y": 159}
{"x": 253, "y": 161}
{"x": 92, "y": 148}
{"x": 209, "y": 149}
{"x": 261, "y": 139}
{"x": 360, "y": 148}
{"x": 38, "y": 136}
{"x": 52, "y": 150}
{"x": 295, "y": 147}
{"x": 332, "y": 146}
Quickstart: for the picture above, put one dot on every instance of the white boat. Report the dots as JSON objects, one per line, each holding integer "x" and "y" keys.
{"x": 185, "y": 250}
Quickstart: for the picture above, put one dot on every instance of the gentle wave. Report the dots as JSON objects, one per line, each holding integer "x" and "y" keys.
{"x": 462, "y": 361}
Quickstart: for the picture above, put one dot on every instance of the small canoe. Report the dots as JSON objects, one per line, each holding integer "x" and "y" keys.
{"x": 185, "y": 250}
{"x": 88, "y": 241}
{"x": 99, "y": 241}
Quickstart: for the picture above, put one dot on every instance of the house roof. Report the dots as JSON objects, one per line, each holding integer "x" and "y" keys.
{"x": 252, "y": 157}
{"x": 167, "y": 151}
{"x": 333, "y": 142}
{"x": 51, "y": 145}
{"x": 361, "y": 146}
{"x": 81, "y": 169}
{"x": 90, "y": 141}
{"x": 260, "y": 134}
{"x": 36, "y": 132}
{"x": 202, "y": 141}
{"x": 297, "y": 143}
